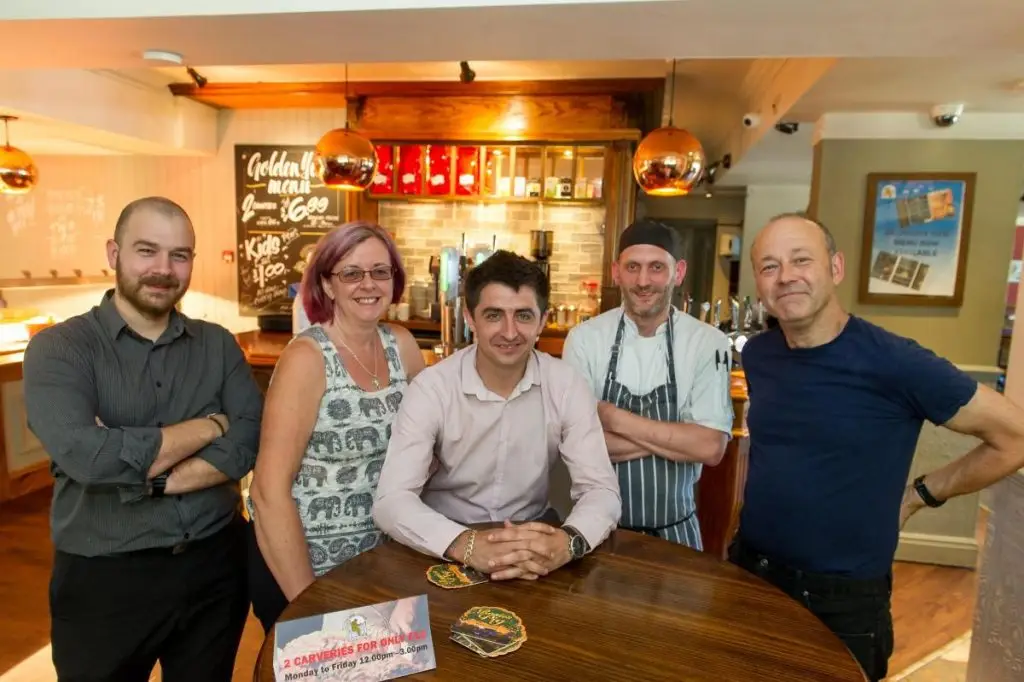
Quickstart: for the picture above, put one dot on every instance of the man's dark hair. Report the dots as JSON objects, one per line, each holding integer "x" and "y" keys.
{"x": 161, "y": 205}
{"x": 512, "y": 270}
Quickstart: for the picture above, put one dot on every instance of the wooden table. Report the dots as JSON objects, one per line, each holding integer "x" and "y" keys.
{"x": 638, "y": 608}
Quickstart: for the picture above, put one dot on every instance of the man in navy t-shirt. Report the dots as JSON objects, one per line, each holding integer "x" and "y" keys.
{"x": 836, "y": 408}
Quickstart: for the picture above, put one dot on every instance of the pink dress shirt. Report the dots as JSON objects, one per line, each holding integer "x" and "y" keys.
{"x": 494, "y": 454}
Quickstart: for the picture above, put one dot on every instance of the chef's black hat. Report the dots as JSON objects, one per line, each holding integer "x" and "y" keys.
{"x": 651, "y": 232}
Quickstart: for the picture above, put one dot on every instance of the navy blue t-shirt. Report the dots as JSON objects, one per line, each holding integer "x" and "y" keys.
{"x": 833, "y": 431}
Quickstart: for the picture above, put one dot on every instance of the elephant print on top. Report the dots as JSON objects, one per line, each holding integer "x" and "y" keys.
{"x": 337, "y": 480}
{"x": 371, "y": 407}
{"x": 391, "y": 353}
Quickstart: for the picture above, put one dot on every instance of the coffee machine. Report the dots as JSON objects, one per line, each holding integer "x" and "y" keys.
{"x": 541, "y": 245}
{"x": 449, "y": 269}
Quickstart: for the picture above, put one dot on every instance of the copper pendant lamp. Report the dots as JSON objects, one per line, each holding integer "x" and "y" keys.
{"x": 669, "y": 162}
{"x": 18, "y": 174}
{"x": 346, "y": 160}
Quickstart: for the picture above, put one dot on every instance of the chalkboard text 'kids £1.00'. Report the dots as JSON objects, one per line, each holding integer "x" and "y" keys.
{"x": 282, "y": 210}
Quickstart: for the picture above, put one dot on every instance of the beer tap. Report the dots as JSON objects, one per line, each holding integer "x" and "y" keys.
{"x": 748, "y": 315}
{"x": 705, "y": 310}
{"x": 734, "y": 314}
{"x": 761, "y": 315}
{"x": 687, "y": 304}
{"x": 716, "y": 320}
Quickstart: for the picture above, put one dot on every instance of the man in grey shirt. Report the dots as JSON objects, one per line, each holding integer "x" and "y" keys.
{"x": 150, "y": 419}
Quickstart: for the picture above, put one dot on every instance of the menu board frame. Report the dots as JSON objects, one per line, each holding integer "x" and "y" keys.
{"x": 282, "y": 209}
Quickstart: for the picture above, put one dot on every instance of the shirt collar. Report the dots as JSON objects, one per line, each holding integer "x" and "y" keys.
{"x": 473, "y": 385}
{"x": 114, "y": 324}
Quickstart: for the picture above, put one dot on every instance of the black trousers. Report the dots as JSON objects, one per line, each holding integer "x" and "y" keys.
{"x": 113, "y": 617}
{"x": 859, "y": 612}
{"x": 268, "y": 601}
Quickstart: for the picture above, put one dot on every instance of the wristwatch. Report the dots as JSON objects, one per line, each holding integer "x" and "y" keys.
{"x": 577, "y": 543}
{"x": 157, "y": 485}
{"x": 925, "y": 494}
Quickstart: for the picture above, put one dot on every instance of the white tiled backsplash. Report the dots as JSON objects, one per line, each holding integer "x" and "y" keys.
{"x": 422, "y": 229}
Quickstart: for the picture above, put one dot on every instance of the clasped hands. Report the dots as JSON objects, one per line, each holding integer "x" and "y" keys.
{"x": 526, "y": 551}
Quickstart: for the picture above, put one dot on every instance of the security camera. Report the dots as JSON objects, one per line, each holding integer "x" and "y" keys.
{"x": 751, "y": 120}
{"x": 946, "y": 115}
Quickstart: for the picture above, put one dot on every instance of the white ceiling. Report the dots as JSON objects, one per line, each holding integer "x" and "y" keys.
{"x": 700, "y": 29}
{"x": 777, "y": 159}
{"x": 898, "y": 56}
{"x": 983, "y": 83}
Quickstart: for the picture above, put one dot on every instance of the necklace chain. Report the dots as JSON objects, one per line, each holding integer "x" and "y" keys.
{"x": 373, "y": 374}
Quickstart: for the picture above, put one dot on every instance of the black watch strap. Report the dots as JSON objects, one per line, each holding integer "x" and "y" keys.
{"x": 925, "y": 494}
{"x": 158, "y": 484}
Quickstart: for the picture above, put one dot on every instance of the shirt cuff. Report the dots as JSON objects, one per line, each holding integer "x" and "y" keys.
{"x": 593, "y": 529}
{"x": 140, "y": 447}
{"x": 223, "y": 456}
{"x": 443, "y": 537}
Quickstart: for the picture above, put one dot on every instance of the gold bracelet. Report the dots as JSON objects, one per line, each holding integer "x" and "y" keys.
{"x": 469, "y": 548}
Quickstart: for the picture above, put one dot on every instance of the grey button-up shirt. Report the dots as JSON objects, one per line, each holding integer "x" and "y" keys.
{"x": 93, "y": 366}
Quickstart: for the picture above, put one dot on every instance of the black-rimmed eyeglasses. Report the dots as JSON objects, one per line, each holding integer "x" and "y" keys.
{"x": 356, "y": 275}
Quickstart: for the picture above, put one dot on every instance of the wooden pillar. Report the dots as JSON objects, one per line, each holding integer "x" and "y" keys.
{"x": 620, "y": 199}
{"x": 720, "y": 489}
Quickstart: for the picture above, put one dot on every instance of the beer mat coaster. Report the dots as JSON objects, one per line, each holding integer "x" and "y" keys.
{"x": 489, "y": 631}
{"x": 453, "y": 576}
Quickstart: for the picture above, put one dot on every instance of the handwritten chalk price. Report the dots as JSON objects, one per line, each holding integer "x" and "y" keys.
{"x": 299, "y": 209}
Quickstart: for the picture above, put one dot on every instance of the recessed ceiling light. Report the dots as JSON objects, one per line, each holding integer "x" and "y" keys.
{"x": 163, "y": 56}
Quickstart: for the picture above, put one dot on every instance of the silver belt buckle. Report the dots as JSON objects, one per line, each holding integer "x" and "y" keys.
{"x": 179, "y": 548}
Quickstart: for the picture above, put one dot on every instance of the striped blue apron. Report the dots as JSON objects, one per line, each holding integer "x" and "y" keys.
{"x": 657, "y": 494}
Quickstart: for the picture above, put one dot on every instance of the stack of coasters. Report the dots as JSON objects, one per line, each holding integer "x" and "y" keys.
{"x": 489, "y": 631}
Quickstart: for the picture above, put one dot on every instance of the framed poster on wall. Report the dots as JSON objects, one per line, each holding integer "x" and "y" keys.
{"x": 916, "y": 232}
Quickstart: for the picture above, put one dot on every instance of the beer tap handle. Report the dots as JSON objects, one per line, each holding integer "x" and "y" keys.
{"x": 705, "y": 310}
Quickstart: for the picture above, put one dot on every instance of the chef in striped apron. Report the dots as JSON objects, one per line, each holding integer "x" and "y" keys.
{"x": 662, "y": 379}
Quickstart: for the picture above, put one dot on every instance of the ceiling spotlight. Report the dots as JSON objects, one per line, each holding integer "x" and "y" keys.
{"x": 466, "y": 74}
{"x": 163, "y": 56}
{"x": 787, "y": 127}
{"x": 197, "y": 78}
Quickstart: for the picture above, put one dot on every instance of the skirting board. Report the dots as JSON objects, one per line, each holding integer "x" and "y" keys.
{"x": 941, "y": 550}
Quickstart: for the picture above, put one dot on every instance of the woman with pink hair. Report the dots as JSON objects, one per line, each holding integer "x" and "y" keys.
{"x": 327, "y": 419}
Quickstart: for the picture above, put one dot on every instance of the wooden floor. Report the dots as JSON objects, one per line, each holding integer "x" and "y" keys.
{"x": 932, "y": 605}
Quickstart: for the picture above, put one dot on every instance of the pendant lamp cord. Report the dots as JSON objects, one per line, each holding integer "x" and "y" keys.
{"x": 672, "y": 95}
{"x": 346, "y": 96}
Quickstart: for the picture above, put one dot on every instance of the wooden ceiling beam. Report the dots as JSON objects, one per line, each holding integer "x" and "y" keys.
{"x": 332, "y": 94}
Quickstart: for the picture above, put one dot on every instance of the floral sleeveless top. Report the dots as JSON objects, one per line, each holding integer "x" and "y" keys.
{"x": 337, "y": 480}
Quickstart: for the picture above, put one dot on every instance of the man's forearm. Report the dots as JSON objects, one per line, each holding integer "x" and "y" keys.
{"x": 181, "y": 441}
{"x": 978, "y": 469}
{"x": 193, "y": 474}
{"x": 404, "y": 517}
{"x": 621, "y": 449}
{"x": 672, "y": 440}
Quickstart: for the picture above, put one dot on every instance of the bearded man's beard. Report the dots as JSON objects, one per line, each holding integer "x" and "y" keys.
{"x": 131, "y": 291}
{"x": 658, "y": 303}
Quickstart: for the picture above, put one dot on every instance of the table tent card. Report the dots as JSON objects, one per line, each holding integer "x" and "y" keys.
{"x": 378, "y": 642}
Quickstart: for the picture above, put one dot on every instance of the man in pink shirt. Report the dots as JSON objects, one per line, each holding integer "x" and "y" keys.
{"x": 496, "y": 416}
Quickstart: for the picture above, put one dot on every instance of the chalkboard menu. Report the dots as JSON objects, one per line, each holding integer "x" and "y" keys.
{"x": 282, "y": 210}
